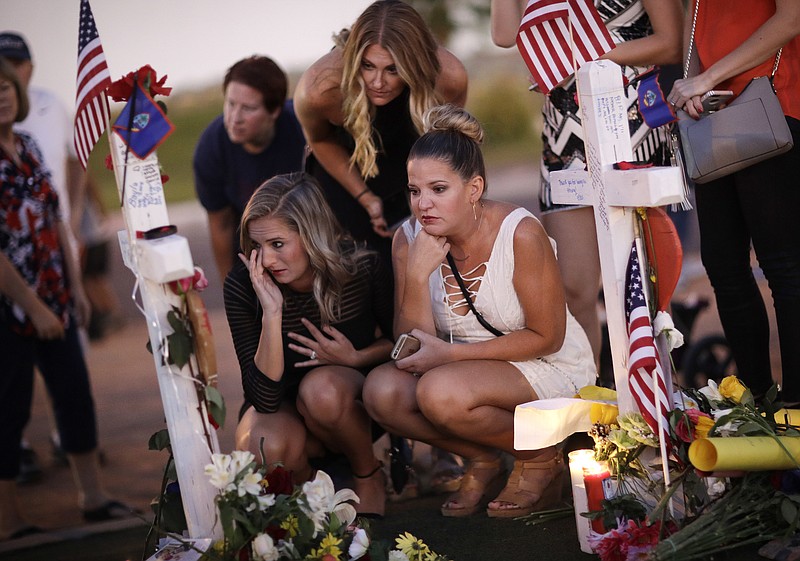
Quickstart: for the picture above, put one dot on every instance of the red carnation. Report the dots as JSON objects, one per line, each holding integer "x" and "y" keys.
{"x": 121, "y": 89}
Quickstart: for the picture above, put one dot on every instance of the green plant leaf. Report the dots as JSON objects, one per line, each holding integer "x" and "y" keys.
{"x": 216, "y": 405}
{"x": 159, "y": 440}
{"x": 179, "y": 342}
{"x": 789, "y": 511}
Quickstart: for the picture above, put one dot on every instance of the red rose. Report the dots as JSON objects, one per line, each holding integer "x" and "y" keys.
{"x": 684, "y": 429}
{"x": 279, "y": 482}
{"x": 275, "y": 532}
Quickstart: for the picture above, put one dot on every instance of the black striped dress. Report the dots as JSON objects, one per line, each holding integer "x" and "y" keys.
{"x": 367, "y": 306}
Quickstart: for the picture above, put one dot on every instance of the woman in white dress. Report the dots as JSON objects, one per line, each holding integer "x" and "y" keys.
{"x": 459, "y": 390}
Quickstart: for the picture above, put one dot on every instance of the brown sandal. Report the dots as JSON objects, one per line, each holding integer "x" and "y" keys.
{"x": 532, "y": 486}
{"x": 470, "y": 484}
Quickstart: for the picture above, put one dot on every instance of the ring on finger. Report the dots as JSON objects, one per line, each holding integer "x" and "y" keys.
{"x": 313, "y": 355}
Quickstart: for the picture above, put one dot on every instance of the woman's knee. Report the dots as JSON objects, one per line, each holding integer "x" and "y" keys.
{"x": 274, "y": 442}
{"x": 441, "y": 399}
{"x": 381, "y": 390}
{"x": 326, "y": 395}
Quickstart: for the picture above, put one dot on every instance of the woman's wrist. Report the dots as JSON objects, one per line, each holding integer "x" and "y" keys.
{"x": 362, "y": 193}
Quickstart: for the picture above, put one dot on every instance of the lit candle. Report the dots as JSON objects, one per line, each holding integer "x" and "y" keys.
{"x": 577, "y": 460}
{"x": 595, "y": 476}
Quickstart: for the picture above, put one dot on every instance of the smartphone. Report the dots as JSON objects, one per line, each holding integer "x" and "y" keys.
{"x": 713, "y": 99}
{"x": 406, "y": 345}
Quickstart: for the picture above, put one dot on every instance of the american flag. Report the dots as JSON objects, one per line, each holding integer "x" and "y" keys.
{"x": 548, "y": 45}
{"x": 645, "y": 377}
{"x": 91, "y": 103}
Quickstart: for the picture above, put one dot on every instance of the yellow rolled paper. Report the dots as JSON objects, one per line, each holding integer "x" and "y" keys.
{"x": 745, "y": 453}
{"x": 790, "y": 416}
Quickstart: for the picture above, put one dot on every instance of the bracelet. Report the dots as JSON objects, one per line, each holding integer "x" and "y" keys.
{"x": 362, "y": 193}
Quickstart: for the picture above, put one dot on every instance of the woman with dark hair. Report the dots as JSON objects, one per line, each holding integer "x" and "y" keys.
{"x": 42, "y": 306}
{"x": 256, "y": 137}
{"x": 310, "y": 312}
{"x": 361, "y": 108}
{"x": 459, "y": 390}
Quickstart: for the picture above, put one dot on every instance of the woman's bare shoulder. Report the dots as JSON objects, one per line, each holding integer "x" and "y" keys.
{"x": 452, "y": 81}
{"x": 319, "y": 88}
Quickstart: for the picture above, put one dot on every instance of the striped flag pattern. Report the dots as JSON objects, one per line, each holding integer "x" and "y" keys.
{"x": 545, "y": 43}
{"x": 645, "y": 377}
{"x": 91, "y": 103}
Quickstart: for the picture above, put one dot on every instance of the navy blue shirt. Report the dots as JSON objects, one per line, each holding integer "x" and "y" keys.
{"x": 225, "y": 174}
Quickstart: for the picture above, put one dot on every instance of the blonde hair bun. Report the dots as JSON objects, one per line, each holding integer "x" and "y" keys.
{"x": 450, "y": 117}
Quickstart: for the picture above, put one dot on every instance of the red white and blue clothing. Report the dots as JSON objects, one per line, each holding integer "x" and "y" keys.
{"x": 29, "y": 217}
{"x": 29, "y": 233}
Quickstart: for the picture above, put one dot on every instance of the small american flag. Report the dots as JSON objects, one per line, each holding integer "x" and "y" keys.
{"x": 548, "y": 45}
{"x": 645, "y": 377}
{"x": 91, "y": 103}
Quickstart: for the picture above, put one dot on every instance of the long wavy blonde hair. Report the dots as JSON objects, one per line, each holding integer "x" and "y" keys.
{"x": 398, "y": 28}
{"x": 297, "y": 199}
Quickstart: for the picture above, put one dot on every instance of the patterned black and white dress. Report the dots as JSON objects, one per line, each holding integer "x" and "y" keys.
{"x": 562, "y": 135}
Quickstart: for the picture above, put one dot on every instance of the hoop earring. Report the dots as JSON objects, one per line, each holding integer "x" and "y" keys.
{"x": 474, "y": 211}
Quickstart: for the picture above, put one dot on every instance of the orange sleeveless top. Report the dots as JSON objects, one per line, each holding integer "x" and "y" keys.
{"x": 722, "y": 25}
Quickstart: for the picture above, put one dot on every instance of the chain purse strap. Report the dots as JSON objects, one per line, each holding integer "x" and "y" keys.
{"x": 488, "y": 326}
{"x": 691, "y": 48}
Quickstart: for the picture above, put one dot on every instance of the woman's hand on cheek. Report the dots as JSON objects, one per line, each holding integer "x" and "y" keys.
{"x": 432, "y": 352}
{"x": 268, "y": 293}
{"x": 426, "y": 252}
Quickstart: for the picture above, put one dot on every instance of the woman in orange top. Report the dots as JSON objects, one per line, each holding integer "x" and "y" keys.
{"x": 737, "y": 40}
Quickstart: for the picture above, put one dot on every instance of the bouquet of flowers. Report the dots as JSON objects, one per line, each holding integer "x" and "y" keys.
{"x": 712, "y": 513}
{"x": 264, "y": 517}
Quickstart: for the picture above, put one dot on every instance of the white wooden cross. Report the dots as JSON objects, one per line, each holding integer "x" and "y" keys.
{"x": 155, "y": 262}
{"x": 614, "y": 195}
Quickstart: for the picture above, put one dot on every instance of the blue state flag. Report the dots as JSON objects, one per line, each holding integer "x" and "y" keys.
{"x": 652, "y": 105}
{"x": 142, "y": 125}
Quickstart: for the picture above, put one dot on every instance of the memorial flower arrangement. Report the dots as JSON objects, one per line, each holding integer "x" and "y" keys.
{"x": 699, "y": 512}
{"x": 265, "y": 518}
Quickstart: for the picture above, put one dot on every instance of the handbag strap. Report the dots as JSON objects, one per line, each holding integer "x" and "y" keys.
{"x": 488, "y": 326}
{"x": 691, "y": 48}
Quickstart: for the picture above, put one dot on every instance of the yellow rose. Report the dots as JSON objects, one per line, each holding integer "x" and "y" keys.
{"x": 702, "y": 427}
{"x": 731, "y": 388}
{"x": 603, "y": 413}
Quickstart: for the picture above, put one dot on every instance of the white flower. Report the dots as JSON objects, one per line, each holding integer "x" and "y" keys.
{"x": 716, "y": 486}
{"x": 219, "y": 472}
{"x": 395, "y": 555}
{"x": 264, "y": 548}
{"x": 250, "y": 484}
{"x": 359, "y": 545}
{"x": 239, "y": 460}
{"x": 320, "y": 500}
{"x": 729, "y": 428}
{"x": 684, "y": 401}
{"x": 663, "y": 323}
{"x": 711, "y": 391}
{"x": 265, "y": 501}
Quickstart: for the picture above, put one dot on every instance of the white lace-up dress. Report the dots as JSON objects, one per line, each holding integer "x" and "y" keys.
{"x": 560, "y": 374}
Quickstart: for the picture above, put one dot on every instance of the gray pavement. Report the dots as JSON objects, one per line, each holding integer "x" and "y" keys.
{"x": 129, "y": 410}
